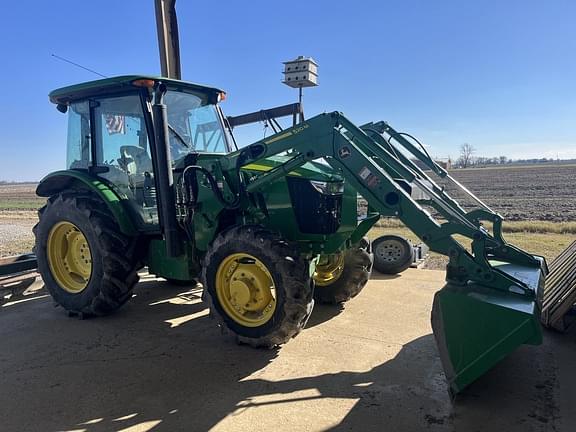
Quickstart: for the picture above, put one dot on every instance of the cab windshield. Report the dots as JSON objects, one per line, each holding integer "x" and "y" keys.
{"x": 193, "y": 125}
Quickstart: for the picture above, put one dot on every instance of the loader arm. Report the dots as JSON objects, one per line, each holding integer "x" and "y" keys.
{"x": 379, "y": 177}
{"x": 492, "y": 289}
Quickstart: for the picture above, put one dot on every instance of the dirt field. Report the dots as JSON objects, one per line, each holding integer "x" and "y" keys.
{"x": 18, "y": 205}
{"x": 524, "y": 193}
{"x": 19, "y": 197}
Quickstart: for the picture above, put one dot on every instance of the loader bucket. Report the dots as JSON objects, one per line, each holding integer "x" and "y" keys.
{"x": 476, "y": 326}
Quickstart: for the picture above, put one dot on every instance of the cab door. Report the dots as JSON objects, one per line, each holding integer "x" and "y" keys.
{"x": 122, "y": 153}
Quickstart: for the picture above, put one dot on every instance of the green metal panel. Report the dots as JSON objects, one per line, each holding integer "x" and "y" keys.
{"x": 184, "y": 267}
{"x": 312, "y": 170}
{"x": 364, "y": 227}
{"x": 279, "y": 214}
{"x": 59, "y": 181}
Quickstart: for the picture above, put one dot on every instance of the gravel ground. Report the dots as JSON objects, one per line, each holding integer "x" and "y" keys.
{"x": 16, "y": 236}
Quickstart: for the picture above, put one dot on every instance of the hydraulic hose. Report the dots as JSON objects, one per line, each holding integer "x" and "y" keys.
{"x": 193, "y": 169}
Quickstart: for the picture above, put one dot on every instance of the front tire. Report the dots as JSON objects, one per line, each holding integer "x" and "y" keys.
{"x": 340, "y": 277}
{"x": 257, "y": 285}
{"x": 88, "y": 266}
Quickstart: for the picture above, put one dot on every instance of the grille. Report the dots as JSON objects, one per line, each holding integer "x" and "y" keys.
{"x": 316, "y": 213}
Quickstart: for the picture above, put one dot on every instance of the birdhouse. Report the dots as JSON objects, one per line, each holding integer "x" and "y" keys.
{"x": 301, "y": 72}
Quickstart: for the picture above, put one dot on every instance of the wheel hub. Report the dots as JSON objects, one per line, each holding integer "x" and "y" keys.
{"x": 245, "y": 290}
{"x": 69, "y": 257}
{"x": 390, "y": 250}
{"x": 240, "y": 292}
{"x": 329, "y": 269}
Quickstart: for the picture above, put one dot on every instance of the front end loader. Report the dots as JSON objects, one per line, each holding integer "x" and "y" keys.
{"x": 154, "y": 178}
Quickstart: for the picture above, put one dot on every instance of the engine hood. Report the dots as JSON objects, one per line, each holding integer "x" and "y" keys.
{"x": 313, "y": 170}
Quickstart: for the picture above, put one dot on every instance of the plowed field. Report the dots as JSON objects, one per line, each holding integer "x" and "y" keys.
{"x": 523, "y": 193}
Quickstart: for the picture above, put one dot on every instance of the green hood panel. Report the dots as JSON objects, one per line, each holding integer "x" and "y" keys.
{"x": 312, "y": 170}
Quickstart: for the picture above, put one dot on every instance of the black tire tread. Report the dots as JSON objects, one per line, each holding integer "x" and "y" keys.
{"x": 120, "y": 260}
{"x": 357, "y": 269}
{"x": 393, "y": 268}
{"x": 298, "y": 286}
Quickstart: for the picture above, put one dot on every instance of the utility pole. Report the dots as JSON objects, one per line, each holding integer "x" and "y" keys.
{"x": 168, "y": 40}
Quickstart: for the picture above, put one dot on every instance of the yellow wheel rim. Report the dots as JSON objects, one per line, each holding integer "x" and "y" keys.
{"x": 329, "y": 269}
{"x": 246, "y": 290}
{"x": 69, "y": 257}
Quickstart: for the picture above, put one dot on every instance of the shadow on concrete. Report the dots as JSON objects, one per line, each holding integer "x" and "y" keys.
{"x": 25, "y": 289}
{"x": 161, "y": 365}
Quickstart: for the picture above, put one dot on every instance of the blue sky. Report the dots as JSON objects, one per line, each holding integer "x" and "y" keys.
{"x": 500, "y": 75}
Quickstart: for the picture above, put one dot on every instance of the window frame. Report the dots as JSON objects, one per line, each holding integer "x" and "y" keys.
{"x": 229, "y": 142}
{"x": 96, "y": 132}
{"x": 96, "y": 139}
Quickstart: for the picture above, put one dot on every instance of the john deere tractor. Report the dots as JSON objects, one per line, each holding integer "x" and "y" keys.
{"x": 146, "y": 186}
{"x": 154, "y": 178}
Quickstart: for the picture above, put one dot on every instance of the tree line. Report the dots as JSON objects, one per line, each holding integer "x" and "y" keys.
{"x": 468, "y": 159}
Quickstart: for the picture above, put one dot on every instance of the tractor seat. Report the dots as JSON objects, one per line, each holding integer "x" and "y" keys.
{"x": 135, "y": 160}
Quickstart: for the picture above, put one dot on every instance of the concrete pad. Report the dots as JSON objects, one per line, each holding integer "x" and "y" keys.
{"x": 160, "y": 364}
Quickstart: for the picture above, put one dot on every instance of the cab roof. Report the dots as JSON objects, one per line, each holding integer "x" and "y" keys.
{"x": 65, "y": 95}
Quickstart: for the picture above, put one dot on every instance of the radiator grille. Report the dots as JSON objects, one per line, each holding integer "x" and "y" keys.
{"x": 316, "y": 213}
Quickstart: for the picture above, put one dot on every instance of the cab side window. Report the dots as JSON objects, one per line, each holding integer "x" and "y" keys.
{"x": 78, "y": 141}
{"x": 122, "y": 147}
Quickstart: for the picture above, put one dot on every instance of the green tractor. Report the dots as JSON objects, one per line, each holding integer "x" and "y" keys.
{"x": 154, "y": 178}
{"x": 144, "y": 188}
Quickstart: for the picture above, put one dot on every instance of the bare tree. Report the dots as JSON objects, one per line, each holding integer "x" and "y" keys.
{"x": 466, "y": 153}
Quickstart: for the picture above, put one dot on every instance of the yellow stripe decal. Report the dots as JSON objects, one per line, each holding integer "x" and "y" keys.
{"x": 278, "y": 138}
{"x": 258, "y": 167}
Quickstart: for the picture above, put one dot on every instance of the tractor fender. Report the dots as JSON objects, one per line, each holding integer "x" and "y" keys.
{"x": 59, "y": 181}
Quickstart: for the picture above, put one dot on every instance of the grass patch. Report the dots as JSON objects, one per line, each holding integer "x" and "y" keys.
{"x": 543, "y": 227}
{"x": 530, "y": 226}
{"x": 548, "y": 244}
{"x": 22, "y": 204}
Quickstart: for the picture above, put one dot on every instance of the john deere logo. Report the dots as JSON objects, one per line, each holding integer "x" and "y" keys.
{"x": 344, "y": 152}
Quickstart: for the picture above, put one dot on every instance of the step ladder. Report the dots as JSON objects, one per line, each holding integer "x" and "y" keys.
{"x": 560, "y": 291}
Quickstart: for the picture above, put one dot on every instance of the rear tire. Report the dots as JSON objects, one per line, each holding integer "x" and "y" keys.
{"x": 109, "y": 264}
{"x": 392, "y": 254}
{"x": 244, "y": 263}
{"x": 351, "y": 279}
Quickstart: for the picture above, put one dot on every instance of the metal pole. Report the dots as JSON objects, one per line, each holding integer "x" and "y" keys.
{"x": 168, "y": 40}
{"x": 301, "y": 106}
{"x": 164, "y": 177}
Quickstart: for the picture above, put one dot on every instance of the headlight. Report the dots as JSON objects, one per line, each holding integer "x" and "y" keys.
{"x": 328, "y": 188}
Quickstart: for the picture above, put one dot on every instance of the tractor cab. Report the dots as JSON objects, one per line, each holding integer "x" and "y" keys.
{"x": 111, "y": 132}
